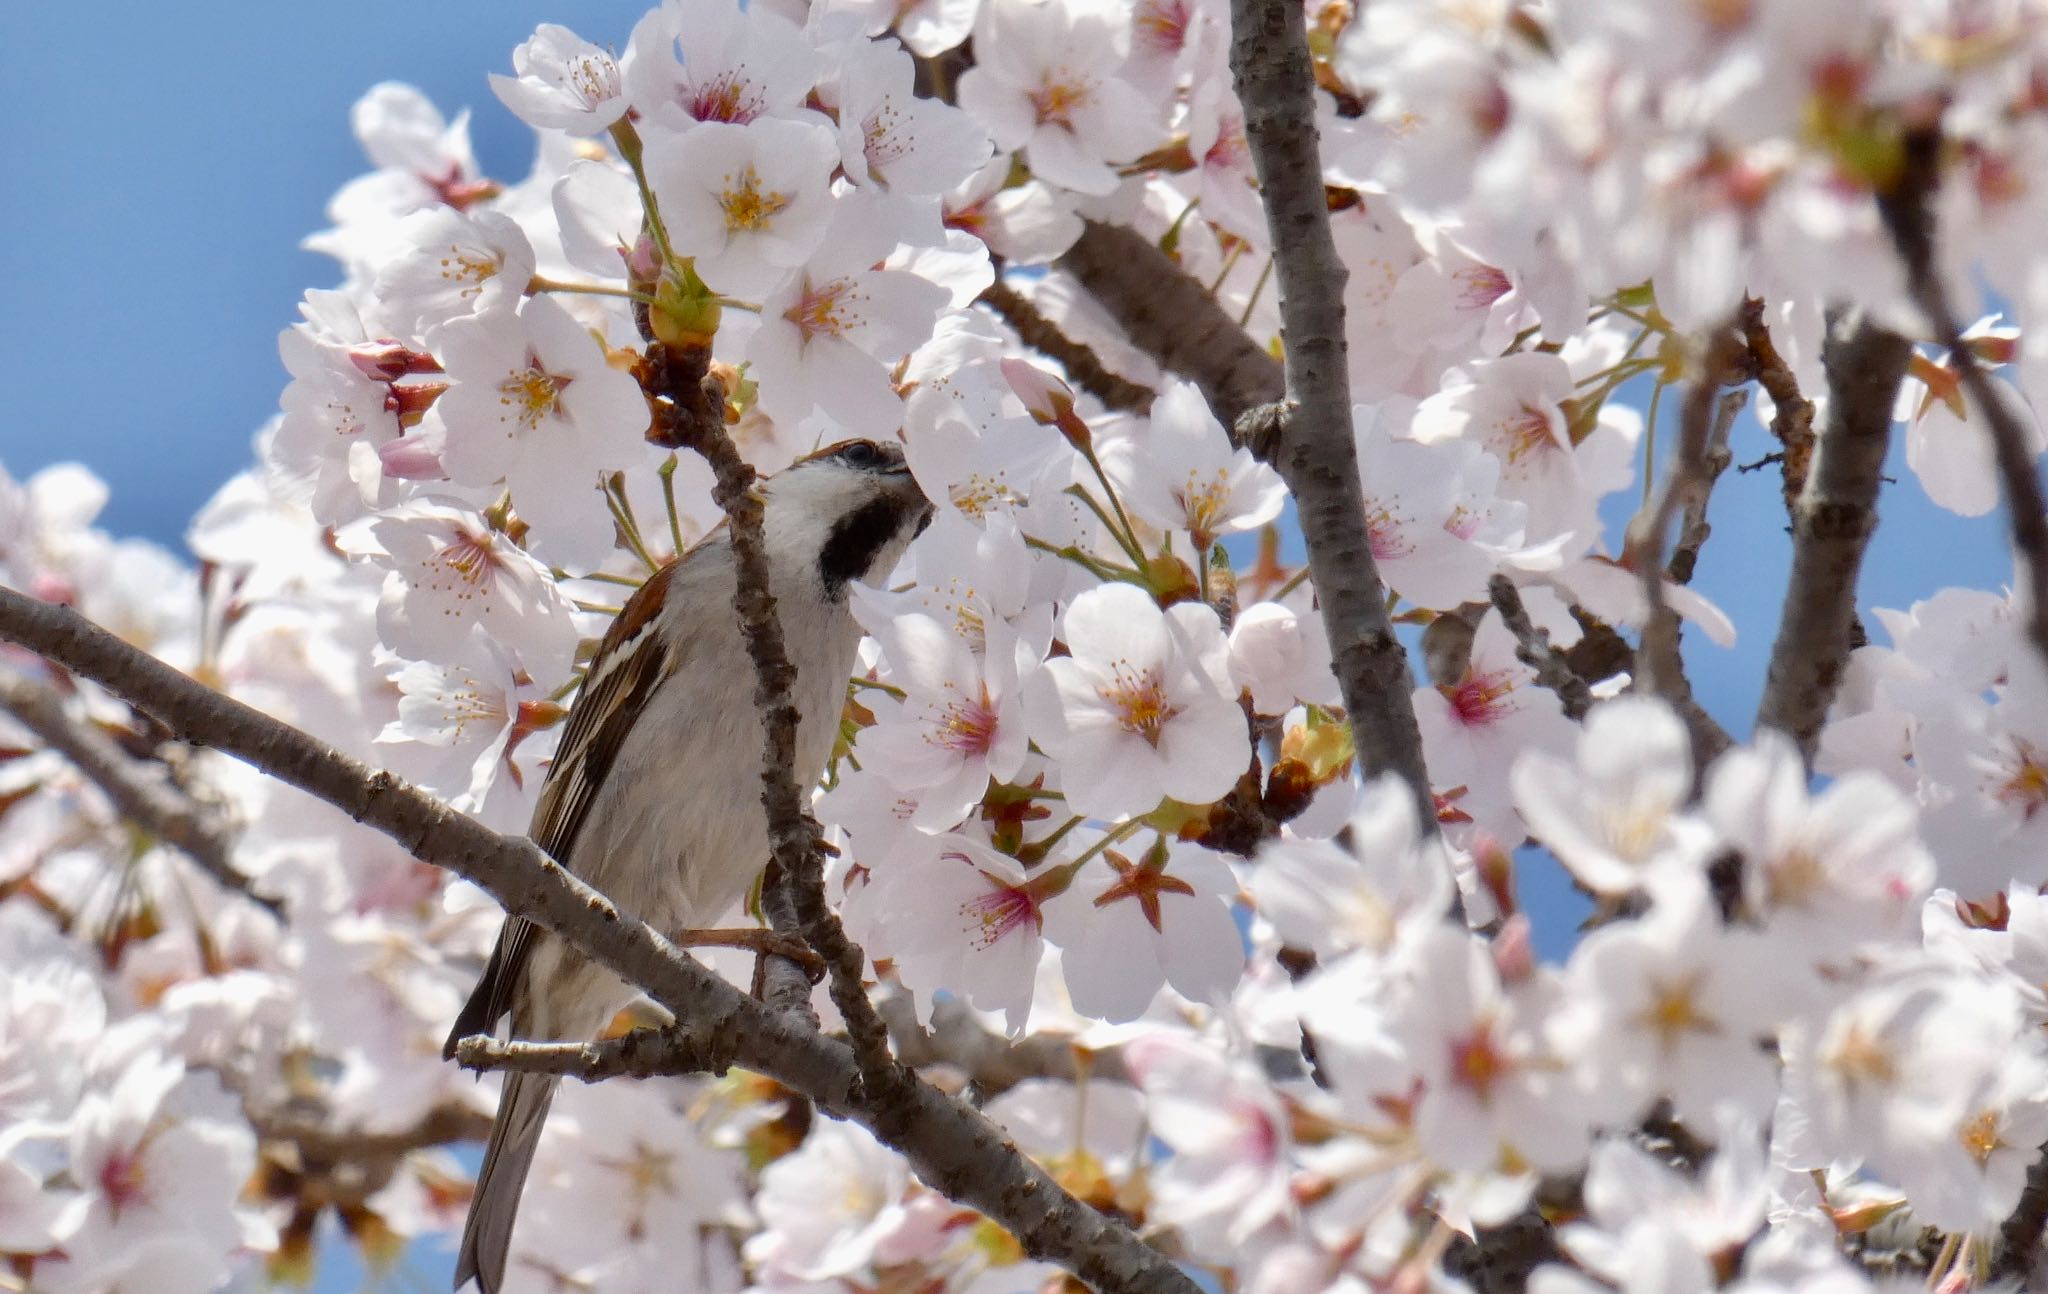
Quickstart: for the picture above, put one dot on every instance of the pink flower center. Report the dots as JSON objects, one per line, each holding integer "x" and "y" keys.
{"x": 969, "y": 727}
{"x": 470, "y": 557}
{"x": 1480, "y": 699}
{"x": 1000, "y": 911}
{"x": 724, "y": 98}
{"x": 747, "y": 209}
{"x": 1384, "y": 531}
{"x": 122, "y": 1180}
{"x": 1479, "y": 286}
{"x": 1527, "y": 432}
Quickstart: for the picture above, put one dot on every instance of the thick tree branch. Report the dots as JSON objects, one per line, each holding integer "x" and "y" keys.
{"x": 1317, "y": 456}
{"x": 1080, "y": 363}
{"x": 1173, "y": 318}
{"x": 954, "y": 1148}
{"x": 1831, "y": 527}
{"x": 1909, "y": 217}
{"x": 139, "y": 792}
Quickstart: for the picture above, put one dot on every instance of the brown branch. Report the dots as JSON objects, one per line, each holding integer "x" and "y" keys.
{"x": 794, "y": 896}
{"x": 1532, "y": 648}
{"x": 1909, "y": 217}
{"x": 953, "y": 1147}
{"x": 1701, "y": 457}
{"x": 1080, "y": 363}
{"x": 141, "y": 793}
{"x": 1172, "y": 318}
{"x": 1317, "y": 456}
{"x": 2019, "y": 1239}
{"x": 643, "y": 1053}
{"x": 1831, "y": 527}
{"x": 1791, "y": 414}
{"x": 1693, "y": 530}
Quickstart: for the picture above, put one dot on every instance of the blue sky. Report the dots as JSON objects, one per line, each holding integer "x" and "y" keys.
{"x": 162, "y": 166}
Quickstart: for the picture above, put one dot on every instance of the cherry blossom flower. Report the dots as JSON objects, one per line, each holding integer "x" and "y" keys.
{"x": 532, "y": 402}
{"x": 891, "y": 137}
{"x": 1280, "y": 657}
{"x": 1615, "y": 817}
{"x": 564, "y": 83}
{"x": 1389, "y": 886}
{"x": 448, "y": 570}
{"x": 1046, "y": 80}
{"x": 460, "y": 264}
{"x": 861, "y": 1185}
{"x": 1211, "y": 490}
{"x": 830, "y": 335}
{"x": 1846, "y": 864}
{"x": 1141, "y": 709}
{"x": 1126, "y": 925}
{"x": 1492, "y": 713}
{"x": 717, "y": 62}
{"x": 961, "y": 721}
{"x": 750, "y": 202}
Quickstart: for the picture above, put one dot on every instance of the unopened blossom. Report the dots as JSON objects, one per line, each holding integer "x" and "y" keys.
{"x": 1047, "y": 79}
{"x": 1182, "y": 474}
{"x": 450, "y": 570}
{"x": 1615, "y": 815}
{"x": 563, "y": 82}
{"x": 459, "y": 264}
{"x": 1142, "y": 708}
{"x": 531, "y": 401}
{"x": 717, "y": 62}
{"x": 1129, "y": 922}
{"x": 749, "y": 202}
{"x": 961, "y": 721}
{"x": 831, "y": 334}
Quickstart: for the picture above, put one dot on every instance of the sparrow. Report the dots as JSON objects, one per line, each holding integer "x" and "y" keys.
{"x": 654, "y": 796}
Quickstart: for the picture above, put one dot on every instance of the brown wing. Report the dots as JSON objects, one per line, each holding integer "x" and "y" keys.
{"x": 629, "y": 663}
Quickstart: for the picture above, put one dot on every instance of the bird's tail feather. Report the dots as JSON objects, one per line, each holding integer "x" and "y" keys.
{"x": 487, "y": 1237}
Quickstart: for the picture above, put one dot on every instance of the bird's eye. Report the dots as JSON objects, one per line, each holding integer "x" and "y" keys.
{"x": 861, "y": 453}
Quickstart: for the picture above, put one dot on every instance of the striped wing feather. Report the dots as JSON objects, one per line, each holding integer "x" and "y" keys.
{"x": 629, "y": 664}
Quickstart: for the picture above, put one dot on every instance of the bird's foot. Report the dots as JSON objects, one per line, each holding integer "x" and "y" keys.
{"x": 761, "y": 942}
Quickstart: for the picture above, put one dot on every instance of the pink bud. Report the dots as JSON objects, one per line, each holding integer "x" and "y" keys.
{"x": 1514, "y": 958}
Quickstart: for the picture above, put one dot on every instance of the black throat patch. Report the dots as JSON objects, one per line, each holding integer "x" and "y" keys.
{"x": 852, "y": 546}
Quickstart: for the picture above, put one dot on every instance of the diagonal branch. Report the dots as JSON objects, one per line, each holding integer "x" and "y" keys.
{"x": 1791, "y": 412}
{"x": 1173, "y": 318}
{"x": 1910, "y": 219}
{"x": 139, "y": 792}
{"x": 1831, "y": 527}
{"x": 956, "y": 1150}
{"x": 1317, "y": 456}
{"x": 1533, "y": 648}
{"x": 1080, "y": 363}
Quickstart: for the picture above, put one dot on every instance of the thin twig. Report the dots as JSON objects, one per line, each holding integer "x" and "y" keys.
{"x": 1693, "y": 530}
{"x": 1317, "y": 456}
{"x": 1702, "y": 431}
{"x": 1909, "y": 217}
{"x": 952, "y": 1147}
{"x": 1082, "y": 366}
{"x": 1791, "y": 413}
{"x": 1532, "y": 648}
{"x": 794, "y": 897}
{"x": 140, "y": 792}
{"x": 643, "y": 1053}
{"x": 1171, "y": 317}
